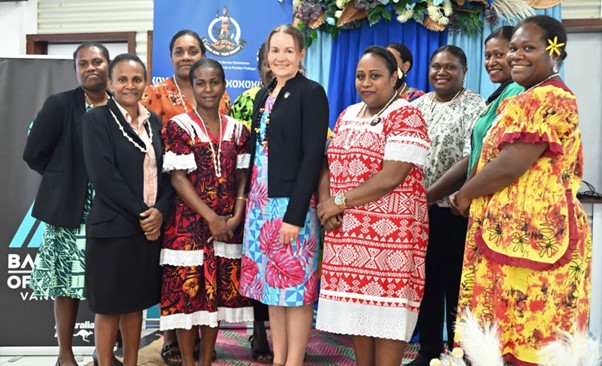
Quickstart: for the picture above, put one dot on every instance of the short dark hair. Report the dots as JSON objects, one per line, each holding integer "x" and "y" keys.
{"x": 209, "y": 63}
{"x": 551, "y": 28}
{"x": 404, "y": 52}
{"x": 389, "y": 59}
{"x": 455, "y": 51}
{"x": 187, "y": 32}
{"x": 126, "y": 57}
{"x": 504, "y": 32}
{"x": 103, "y": 50}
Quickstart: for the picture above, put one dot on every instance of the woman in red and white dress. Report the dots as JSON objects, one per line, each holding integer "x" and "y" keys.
{"x": 373, "y": 205}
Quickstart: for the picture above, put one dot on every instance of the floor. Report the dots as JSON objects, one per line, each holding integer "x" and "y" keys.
{"x": 148, "y": 336}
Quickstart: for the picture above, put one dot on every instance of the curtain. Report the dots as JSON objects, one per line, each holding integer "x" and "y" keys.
{"x": 349, "y": 45}
{"x": 317, "y": 59}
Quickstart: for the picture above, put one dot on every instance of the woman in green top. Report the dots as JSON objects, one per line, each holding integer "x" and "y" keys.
{"x": 242, "y": 110}
{"x": 496, "y": 64}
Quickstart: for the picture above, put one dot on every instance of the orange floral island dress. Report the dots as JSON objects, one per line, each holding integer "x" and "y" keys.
{"x": 528, "y": 251}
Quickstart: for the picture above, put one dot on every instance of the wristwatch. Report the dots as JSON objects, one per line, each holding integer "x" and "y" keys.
{"x": 339, "y": 200}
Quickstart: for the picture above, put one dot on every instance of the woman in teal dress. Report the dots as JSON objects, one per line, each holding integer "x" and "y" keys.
{"x": 54, "y": 150}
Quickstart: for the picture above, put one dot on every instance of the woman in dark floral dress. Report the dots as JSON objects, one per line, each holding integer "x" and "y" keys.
{"x": 206, "y": 153}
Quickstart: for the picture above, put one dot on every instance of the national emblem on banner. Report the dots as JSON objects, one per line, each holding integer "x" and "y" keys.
{"x": 224, "y": 35}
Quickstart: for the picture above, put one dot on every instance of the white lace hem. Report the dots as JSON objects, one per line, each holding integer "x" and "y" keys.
{"x": 181, "y": 258}
{"x": 230, "y": 251}
{"x": 212, "y": 319}
{"x": 172, "y": 161}
{"x": 396, "y": 323}
{"x": 410, "y": 153}
{"x": 243, "y": 161}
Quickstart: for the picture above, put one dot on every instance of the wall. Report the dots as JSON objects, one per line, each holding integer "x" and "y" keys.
{"x": 16, "y": 20}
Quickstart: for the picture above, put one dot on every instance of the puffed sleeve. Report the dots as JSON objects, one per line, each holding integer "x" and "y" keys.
{"x": 542, "y": 116}
{"x": 225, "y": 104}
{"x": 178, "y": 152}
{"x": 406, "y": 138}
{"x": 151, "y": 99}
{"x": 472, "y": 106}
{"x": 242, "y": 109}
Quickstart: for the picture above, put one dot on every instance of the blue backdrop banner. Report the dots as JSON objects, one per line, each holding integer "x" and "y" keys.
{"x": 231, "y": 30}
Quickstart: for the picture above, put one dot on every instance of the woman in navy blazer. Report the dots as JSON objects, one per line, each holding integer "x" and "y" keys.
{"x": 123, "y": 155}
{"x": 279, "y": 265}
{"x": 54, "y": 150}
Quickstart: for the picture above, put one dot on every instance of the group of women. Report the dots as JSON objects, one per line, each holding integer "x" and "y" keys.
{"x": 216, "y": 221}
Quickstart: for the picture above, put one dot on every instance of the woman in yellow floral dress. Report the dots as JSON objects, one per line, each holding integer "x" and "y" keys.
{"x": 527, "y": 260}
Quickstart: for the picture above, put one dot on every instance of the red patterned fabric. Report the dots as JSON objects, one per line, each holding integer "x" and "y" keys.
{"x": 373, "y": 265}
{"x": 200, "y": 285}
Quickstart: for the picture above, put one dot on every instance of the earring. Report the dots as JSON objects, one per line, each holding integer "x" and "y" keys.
{"x": 555, "y": 68}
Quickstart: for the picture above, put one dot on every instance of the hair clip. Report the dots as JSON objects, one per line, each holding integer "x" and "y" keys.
{"x": 399, "y": 73}
{"x": 554, "y": 46}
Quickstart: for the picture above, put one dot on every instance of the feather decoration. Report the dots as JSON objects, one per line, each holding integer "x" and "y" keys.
{"x": 481, "y": 344}
{"x": 512, "y": 10}
{"x": 577, "y": 350}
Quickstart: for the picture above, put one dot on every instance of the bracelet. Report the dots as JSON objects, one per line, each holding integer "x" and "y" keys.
{"x": 241, "y": 198}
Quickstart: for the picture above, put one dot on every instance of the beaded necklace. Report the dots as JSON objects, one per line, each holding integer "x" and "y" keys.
{"x": 175, "y": 81}
{"x": 257, "y": 129}
{"x": 129, "y": 138}
{"x": 217, "y": 166}
{"x": 373, "y": 121}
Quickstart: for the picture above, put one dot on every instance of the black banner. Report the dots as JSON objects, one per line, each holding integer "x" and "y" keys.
{"x": 25, "y": 320}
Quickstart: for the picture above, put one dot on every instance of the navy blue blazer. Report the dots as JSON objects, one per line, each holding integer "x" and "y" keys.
{"x": 54, "y": 150}
{"x": 296, "y": 140}
{"x": 115, "y": 167}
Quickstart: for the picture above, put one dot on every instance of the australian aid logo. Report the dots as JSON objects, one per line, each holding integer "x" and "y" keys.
{"x": 224, "y": 35}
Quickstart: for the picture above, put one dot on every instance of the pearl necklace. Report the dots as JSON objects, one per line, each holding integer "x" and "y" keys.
{"x": 217, "y": 166}
{"x": 541, "y": 82}
{"x": 374, "y": 120}
{"x": 125, "y": 134}
{"x": 175, "y": 81}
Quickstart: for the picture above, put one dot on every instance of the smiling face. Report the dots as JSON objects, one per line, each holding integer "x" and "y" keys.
{"x": 284, "y": 57}
{"x": 127, "y": 83}
{"x": 446, "y": 75}
{"x": 91, "y": 68}
{"x": 374, "y": 82}
{"x": 186, "y": 51}
{"x": 529, "y": 61}
{"x": 496, "y": 62}
{"x": 208, "y": 87}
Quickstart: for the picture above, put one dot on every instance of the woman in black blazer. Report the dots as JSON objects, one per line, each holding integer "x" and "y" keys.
{"x": 54, "y": 150}
{"x": 123, "y": 155}
{"x": 279, "y": 265}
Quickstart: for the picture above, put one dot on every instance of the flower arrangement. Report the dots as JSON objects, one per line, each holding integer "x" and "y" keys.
{"x": 332, "y": 16}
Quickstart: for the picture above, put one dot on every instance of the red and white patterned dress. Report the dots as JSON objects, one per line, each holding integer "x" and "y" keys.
{"x": 373, "y": 265}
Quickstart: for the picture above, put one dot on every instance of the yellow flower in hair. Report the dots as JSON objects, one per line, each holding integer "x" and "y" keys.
{"x": 554, "y": 46}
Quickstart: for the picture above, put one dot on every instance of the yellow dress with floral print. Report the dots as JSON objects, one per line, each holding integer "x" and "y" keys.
{"x": 528, "y": 251}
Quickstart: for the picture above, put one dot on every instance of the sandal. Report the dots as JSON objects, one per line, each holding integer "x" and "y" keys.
{"x": 170, "y": 353}
{"x": 261, "y": 356}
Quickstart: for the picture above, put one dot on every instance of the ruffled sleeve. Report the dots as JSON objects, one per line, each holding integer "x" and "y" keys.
{"x": 178, "y": 147}
{"x": 406, "y": 138}
{"x": 537, "y": 117}
{"x": 243, "y": 147}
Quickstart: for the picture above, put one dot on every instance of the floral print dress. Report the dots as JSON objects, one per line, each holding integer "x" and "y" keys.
{"x": 200, "y": 276}
{"x": 272, "y": 272}
{"x": 528, "y": 250}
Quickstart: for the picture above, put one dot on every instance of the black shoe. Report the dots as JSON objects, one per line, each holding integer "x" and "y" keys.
{"x": 421, "y": 360}
{"x": 115, "y": 361}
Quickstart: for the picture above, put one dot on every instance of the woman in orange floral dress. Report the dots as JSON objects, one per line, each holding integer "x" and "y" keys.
{"x": 527, "y": 260}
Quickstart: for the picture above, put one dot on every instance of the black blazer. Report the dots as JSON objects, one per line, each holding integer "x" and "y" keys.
{"x": 54, "y": 150}
{"x": 296, "y": 140}
{"x": 115, "y": 167}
